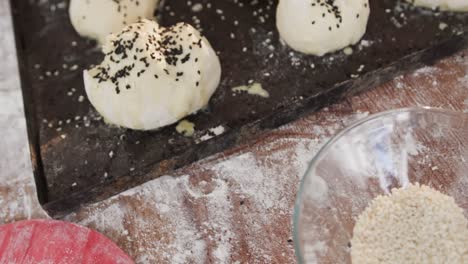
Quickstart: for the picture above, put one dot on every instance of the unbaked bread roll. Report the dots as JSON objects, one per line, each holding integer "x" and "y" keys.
{"x": 153, "y": 76}
{"x": 321, "y": 26}
{"x": 98, "y": 18}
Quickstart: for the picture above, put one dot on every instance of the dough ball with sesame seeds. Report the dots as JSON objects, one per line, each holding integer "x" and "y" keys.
{"x": 153, "y": 76}
{"x": 448, "y": 5}
{"x": 321, "y": 26}
{"x": 98, "y": 18}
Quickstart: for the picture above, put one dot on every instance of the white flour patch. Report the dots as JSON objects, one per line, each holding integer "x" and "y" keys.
{"x": 426, "y": 71}
{"x": 464, "y": 80}
{"x": 248, "y": 192}
{"x": 399, "y": 82}
{"x": 17, "y": 189}
{"x": 311, "y": 251}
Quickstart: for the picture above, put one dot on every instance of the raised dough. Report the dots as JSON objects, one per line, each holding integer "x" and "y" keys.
{"x": 153, "y": 76}
{"x": 319, "y": 26}
{"x": 98, "y": 18}
{"x": 449, "y": 5}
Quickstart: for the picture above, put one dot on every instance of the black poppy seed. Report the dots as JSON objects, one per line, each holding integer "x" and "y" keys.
{"x": 167, "y": 47}
{"x": 330, "y": 7}
{"x": 186, "y": 58}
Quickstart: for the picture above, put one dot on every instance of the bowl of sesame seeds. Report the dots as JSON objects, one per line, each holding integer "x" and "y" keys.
{"x": 388, "y": 189}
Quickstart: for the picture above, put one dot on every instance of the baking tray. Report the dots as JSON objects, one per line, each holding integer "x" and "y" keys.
{"x": 78, "y": 159}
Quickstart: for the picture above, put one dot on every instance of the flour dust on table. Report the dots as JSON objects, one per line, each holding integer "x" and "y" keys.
{"x": 222, "y": 210}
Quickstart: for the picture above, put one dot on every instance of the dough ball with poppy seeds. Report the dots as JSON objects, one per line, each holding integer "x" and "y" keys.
{"x": 153, "y": 76}
{"x": 98, "y": 18}
{"x": 318, "y": 27}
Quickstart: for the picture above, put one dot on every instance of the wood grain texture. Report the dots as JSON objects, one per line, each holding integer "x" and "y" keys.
{"x": 253, "y": 223}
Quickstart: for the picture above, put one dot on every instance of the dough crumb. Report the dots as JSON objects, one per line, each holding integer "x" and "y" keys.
{"x": 348, "y": 50}
{"x": 253, "y": 89}
{"x": 185, "y": 128}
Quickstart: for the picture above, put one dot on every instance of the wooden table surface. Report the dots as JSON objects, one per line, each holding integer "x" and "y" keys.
{"x": 235, "y": 207}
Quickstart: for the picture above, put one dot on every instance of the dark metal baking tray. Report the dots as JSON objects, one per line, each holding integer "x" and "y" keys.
{"x": 78, "y": 159}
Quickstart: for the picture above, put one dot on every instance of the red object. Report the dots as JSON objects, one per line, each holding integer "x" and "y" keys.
{"x": 56, "y": 242}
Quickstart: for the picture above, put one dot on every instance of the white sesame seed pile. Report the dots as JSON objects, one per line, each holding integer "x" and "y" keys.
{"x": 415, "y": 224}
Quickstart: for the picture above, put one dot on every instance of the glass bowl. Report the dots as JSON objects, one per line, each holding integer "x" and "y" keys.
{"x": 384, "y": 151}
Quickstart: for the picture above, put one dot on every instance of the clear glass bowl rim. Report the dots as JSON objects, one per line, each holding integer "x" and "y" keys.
{"x": 334, "y": 139}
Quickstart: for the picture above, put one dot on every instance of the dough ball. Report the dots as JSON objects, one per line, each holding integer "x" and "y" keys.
{"x": 153, "y": 76}
{"x": 321, "y": 26}
{"x": 449, "y": 5}
{"x": 97, "y": 19}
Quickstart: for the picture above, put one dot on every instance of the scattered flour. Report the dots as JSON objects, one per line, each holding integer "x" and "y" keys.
{"x": 426, "y": 71}
{"x": 212, "y": 132}
{"x": 221, "y": 207}
{"x": 18, "y": 199}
